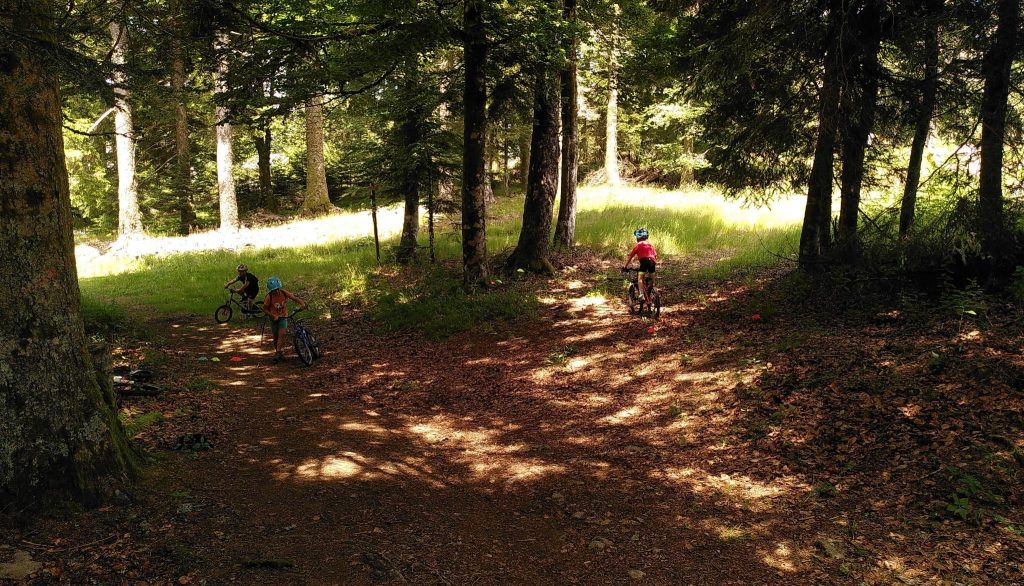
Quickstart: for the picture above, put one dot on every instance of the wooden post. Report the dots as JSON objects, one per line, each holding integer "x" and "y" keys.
{"x": 373, "y": 211}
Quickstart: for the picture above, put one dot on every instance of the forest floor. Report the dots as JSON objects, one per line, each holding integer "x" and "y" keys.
{"x": 743, "y": 438}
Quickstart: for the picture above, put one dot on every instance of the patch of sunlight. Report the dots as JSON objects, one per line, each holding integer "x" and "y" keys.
{"x": 337, "y": 227}
{"x": 363, "y": 427}
{"x": 785, "y": 557}
{"x": 574, "y": 285}
{"x": 621, "y": 416}
{"x": 547, "y": 300}
{"x": 577, "y": 363}
{"x": 581, "y": 303}
{"x": 739, "y": 486}
{"x": 330, "y": 468}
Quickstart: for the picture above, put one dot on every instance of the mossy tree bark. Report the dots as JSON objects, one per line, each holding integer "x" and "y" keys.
{"x": 531, "y": 253}
{"x": 317, "y": 199}
{"x": 410, "y": 135}
{"x": 58, "y": 426}
{"x": 474, "y": 169}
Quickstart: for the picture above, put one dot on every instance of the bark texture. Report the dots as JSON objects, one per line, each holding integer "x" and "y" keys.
{"x": 317, "y": 199}
{"x": 531, "y": 253}
{"x": 474, "y": 170}
{"x": 225, "y": 144}
{"x": 565, "y": 227}
{"x": 861, "y": 102}
{"x": 611, "y": 135}
{"x": 129, "y": 218}
{"x": 410, "y": 137}
{"x": 996, "y": 69}
{"x": 182, "y": 154}
{"x": 922, "y": 126}
{"x": 263, "y": 142}
{"x": 815, "y": 237}
{"x": 58, "y": 426}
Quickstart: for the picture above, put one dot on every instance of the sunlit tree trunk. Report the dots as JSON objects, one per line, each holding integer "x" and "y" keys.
{"x": 129, "y": 218}
{"x": 565, "y": 227}
{"x": 317, "y": 200}
{"x": 815, "y": 236}
{"x": 926, "y": 109}
{"x": 996, "y": 69}
{"x": 410, "y": 137}
{"x": 263, "y": 141}
{"x": 58, "y": 424}
{"x": 474, "y": 170}
{"x": 225, "y": 146}
{"x": 531, "y": 253}
{"x": 182, "y": 156}
{"x": 524, "y": 158}
{"x": 862, "y": 92}
{"x": 611, "y": 140}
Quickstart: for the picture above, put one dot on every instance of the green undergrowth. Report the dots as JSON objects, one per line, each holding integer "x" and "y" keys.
{"x": 711, "y": 236}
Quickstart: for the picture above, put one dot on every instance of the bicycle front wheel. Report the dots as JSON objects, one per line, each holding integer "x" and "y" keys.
{"x": 304, "y": 350}
{"x": 656, "y": 305}
{"x": 223, "y": 314}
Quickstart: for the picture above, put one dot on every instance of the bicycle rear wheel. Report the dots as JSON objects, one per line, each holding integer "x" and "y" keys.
{"x": 303, "y": 349}
{"x": 223, "y": 314}
{"x": 633, "y": 300}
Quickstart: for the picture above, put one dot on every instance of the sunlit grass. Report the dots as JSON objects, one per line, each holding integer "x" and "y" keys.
{"x": 701, "y": 230}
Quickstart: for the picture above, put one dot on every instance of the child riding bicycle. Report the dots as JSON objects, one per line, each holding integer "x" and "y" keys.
{"x": 648, "y": 257}
{"x": 276, "y": 307}
{"x": 249, "y": 289}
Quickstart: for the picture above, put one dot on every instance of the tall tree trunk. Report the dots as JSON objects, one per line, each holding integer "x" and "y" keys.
{"x": 996, "y": 69}
{"x": 862, "y": 100}
{"x": 182, "y": 156}
{"x": 225, "y": 146}
{"x": 58, "y": 423}
{"x": 926, "y": 109}
{"x": 410, "y": 138}
{"x": 317, "y": 200}
{"x": 815, "y": 236}
{"x": 565, "y": 227}
{"x": 524, "y": 159}
{"x": 531, "y": 253}
{"x": 129, "y": 219}
{"x": 611, "y": 140}
{"x": 264, "y": 143}
{"x": 474, "y": 170}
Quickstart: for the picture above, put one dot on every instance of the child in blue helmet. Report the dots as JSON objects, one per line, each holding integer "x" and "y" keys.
{"x": 648, "y": 257}
{"x": 276, "y": 307}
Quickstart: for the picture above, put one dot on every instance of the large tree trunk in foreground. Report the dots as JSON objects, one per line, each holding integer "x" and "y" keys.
{"x": 182, "y": 156}
{"x": 815, "y": 236}
{"x": 58, "y": 425}
{"x": 611, "y": 140}
{"x": 996, "y": 68}
{"x": 862, "y": 100}
{"x": 531, "y": 253}
{"x": 263, "y": 141}
{"x": 565, "y": 227}
{"x": 225, "y": 146}
{"x": 474, "y": 170}
{"x": 317, "y": 200}
{"x": 926, "y": 109}
{"x": 524, "y": 159}
{"x": 129, "y": 219}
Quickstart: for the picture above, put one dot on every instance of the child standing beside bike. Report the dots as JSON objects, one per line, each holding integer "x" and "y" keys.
{"x": 648, "y": 257}
{"x": 276, "y": 307}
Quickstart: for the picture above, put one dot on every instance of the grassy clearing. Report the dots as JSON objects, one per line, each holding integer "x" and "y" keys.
{"x": 682, "y": 224}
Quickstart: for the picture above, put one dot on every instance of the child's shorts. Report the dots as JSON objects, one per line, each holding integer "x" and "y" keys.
{"x": 277, "y": 325}
{"x": 647, "y": 265}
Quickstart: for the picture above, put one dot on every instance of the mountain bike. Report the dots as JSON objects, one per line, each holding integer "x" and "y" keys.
{"x": 635, "y": 300}
{"x": 224, "y": 312}
{"x": 305, "y": 344}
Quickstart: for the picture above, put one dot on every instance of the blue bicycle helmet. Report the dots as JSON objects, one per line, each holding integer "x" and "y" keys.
{"x": 640, "y": 233}
{"x": 273, "y": 284}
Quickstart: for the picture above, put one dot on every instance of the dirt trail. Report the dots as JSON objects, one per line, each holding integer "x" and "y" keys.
{"x": 562, "y": 451}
